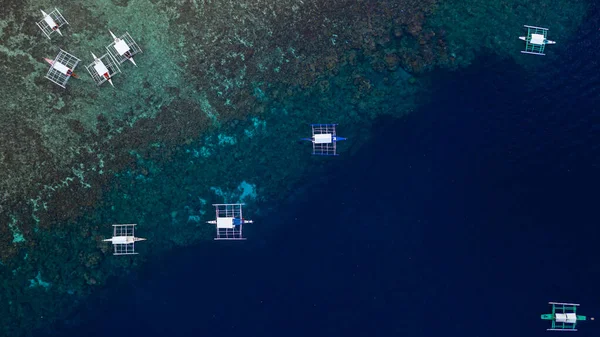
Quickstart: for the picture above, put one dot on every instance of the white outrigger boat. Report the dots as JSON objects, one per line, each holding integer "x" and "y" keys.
{"x": 123, "y": 48}
{"x": 61, "y": 68}
{"x": 124, "y": 239}
{"x": 51, "y": 22}
{"x": 103, "y": 69}
{"x": 536, "y": 40}
{"x": 230, "y": 221}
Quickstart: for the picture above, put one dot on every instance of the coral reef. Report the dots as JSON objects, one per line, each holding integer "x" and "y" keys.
{"x": 221, "y": 93}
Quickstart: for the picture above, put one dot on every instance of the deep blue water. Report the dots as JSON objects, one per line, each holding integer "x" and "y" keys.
{"x": 463, "y": 219}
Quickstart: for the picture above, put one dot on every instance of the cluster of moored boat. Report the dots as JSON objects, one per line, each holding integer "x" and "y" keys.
{"x": 102, "y": 69}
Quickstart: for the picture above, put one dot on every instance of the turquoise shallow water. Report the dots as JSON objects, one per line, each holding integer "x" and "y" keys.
{"x": 83, "y": 158}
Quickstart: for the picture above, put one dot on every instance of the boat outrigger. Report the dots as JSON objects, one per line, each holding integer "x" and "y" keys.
{"x": 103, "y": 69}
{"x": 61, "y": 68}
{"x": 123, "y": 48}
{"x": 536, "y": 40}
{"x": 51, "y": 22}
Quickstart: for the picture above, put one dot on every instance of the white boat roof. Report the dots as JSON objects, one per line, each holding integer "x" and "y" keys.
{"x": 100, "y": 68}
{"x": 116, "y": 240}
{"x": 537, "y": 39}
{"x": 566, "y": 318}
{"x": 60, "y": 67}
{"x": 121, "y": 47}
{"x": 50, "y": 21}
{"x": 324, "y": 138}
{"x": 225, "y": 222}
